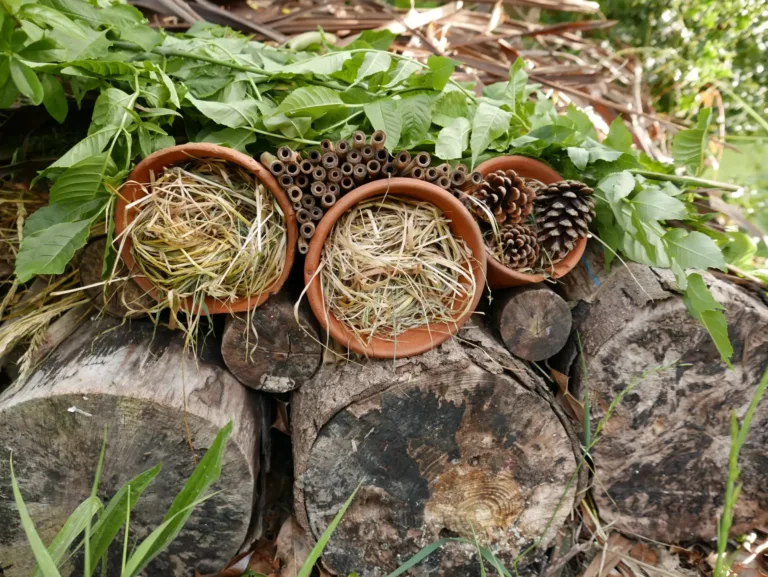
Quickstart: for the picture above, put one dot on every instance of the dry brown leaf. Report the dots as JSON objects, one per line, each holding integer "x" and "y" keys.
{"x": 293, "y": 547}
{"x": 606, "y": 560}
{"x": 281, "y": 419}
{"x": 570, "y": 404}
{"x": 234, "y": 568}
{"x": 645, "y": 553}
{"x": 263, "y": 559}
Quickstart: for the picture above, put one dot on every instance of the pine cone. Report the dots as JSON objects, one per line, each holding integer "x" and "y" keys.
{"x": 519, "y": 248}
{"x": 506, "y": 196}
{"x": 563, "y": 212}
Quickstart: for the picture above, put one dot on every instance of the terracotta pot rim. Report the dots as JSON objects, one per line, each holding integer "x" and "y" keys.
{"x": 499, "y": 276}
{"x": 155, "y": 162}
{"x": 414, "y": 341}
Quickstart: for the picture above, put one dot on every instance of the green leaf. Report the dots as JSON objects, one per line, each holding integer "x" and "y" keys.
{"x": 82, "y": 181}
{"x": 740, "y": 248}
{"x": 26, "y": 81}
{"x": 173, "y": 96}
{"x": 141, "y": 35}
{"x": 403, "y": 71}
{"x": 237, "y": 138}
{"x": 379, "y": 39}
{"x": 110, "y": 107}
{"x": 652, "y": 204}
{"x": 59, "y": 212}
{"x": 488, "y": 124}
{"x": 150, "y": 141}
{"x": 111, "y": 520}
{"x": 204, "y": 475}
{"x": 5, "y": 69}
{"x": 54, "y": 99}
{"x": 705, "y": 308}
{"x": 693, "y": 250}
{"x": 73, "y": 527}
{"x": 317, "y": 550}
{"x": 689, "y": 145}
{"x": 232, "y": 114}
{"x": 373, "y": 63}
{"x": 453, "y": 140}
{"x": 324, "y": 65}
{"x": 99, "y": 69}
{"x": 442, "y": 68}
{"x": 43, "y": 558}
{"x": 449, "y": 106}
{"x": 416, "y": 119}
{"x": 91, "y": 145}
{"x": 579, "y": 157}
{"x": 8, "y": 95}
{"x": 43, "y": 50}
{"x": 49, "y": 250}
{"x": 384, "y": 115}
{"x": 619, "y": 137}
{"x": 617, "y": 186}
{"x": 518, "y": 78}
{"x": 312, "y": 101}
{"x": 290, "y": 127}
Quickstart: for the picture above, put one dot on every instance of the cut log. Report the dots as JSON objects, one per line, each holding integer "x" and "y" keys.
{"x": 129, "y": 378}
{"x": 534, "y": 322}
{"x": 661, "y": 465}
{"x": 463, "y": 437}
{"x": 123, "y": 298}
{"x": 278, "y": 355}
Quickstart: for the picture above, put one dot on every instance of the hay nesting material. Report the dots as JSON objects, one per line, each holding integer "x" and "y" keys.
{"x": 391, "y": 264}
{"x": 209, "y": 228}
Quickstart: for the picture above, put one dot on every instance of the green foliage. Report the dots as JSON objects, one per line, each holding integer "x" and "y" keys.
{"x": 224, "y": 88}
{"x": 108, "y": 521}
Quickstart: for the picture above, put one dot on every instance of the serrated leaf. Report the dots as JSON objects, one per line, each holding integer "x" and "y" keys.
{"x": 383, "y": 115}
{"x": 90, "y": 146}
{"x": 403, "y": 71}
{"x": 693, "y": 250}
{"x": 579, "y": 157}
{"x": 488, "y": 124}
{"x": 453, "y": 140}
{"x": 373, "y": 63}
{"x": 49, "y": 250}
{"x": 54, "y": 99}
{"x": 442, "y": 69}
{"x": 312, "y": 101}
{"x": 617, "y": 186}
{"x": 416, "y": 119}
{"x": 26, "y": 81}
{"x": 237, "y": 138}
{"x": 652, "y": 204}
{"x": 82, "y": 182}
{"x": 619, "y": 137}
{"x": 689, "y": 145}
{"x": 99, "y": 68}
{"x": 110, "y": 107}
{"x": 518, "y": 78}
{"x": 326, "y": 64}
{"x": 232, "y": 114}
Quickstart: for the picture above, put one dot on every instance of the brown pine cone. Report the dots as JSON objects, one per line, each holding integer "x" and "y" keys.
{"x": 506, "y": 196}
{"x": 563, "y": 212}
{"x": 519, "y": 247}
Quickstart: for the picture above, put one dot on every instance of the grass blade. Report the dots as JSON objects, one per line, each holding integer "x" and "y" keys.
{"x": 494, "y": 561}
{"x": 94, "y": 490}
{"x": 317, "y": 550}
{"x": 43, "y": 558}
{"x": 423, "y": 554}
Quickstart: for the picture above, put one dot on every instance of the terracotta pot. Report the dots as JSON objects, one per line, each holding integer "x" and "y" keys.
{"x": 500, "y": 276}
{"x": 177, "y": 154}
{"x": 414, "y": 341}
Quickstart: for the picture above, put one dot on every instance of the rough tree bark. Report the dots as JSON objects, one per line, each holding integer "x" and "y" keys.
{"x": 661, "y": 465}
{"x": 534, "y": 322}
{"x": 129, "y": 378}
{"x": 278, "y": 355}
{"x": 461, "y": 437}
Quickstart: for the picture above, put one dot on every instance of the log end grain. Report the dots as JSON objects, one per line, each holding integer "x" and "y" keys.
{"x": 534, "y": 323}
{"x": 276, "y": 355}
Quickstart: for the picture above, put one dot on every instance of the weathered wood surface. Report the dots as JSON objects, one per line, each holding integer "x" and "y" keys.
{"x": 461, "y": 437}
{"x": 663, "y": 456}
{"x": 130, "y": 379}
{"x": 277, "y": 355}
{"x": 534, "y": 322}
{"x": 122, "y": 298}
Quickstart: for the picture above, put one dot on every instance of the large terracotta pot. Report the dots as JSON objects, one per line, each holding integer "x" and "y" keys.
{"x": 414, "y": 341}
{"x": 155, "y": 163}
{"x": 500, "y": 276}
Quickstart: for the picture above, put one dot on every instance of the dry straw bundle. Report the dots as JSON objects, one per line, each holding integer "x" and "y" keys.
{"x": 208, "y": 228}
{"x": 391, "y": 264}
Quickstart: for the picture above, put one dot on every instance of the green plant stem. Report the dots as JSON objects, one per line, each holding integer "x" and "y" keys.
{"x": 747, "y": 108}
{"x": 686, "y": 180}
